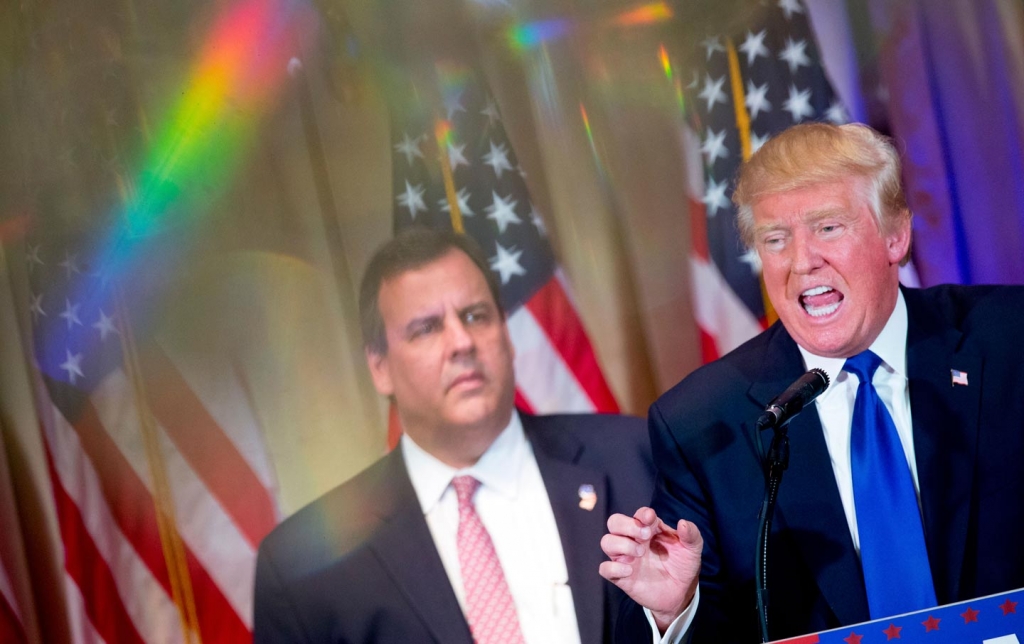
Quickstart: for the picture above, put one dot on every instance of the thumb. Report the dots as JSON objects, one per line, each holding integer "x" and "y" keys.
{"x": 689, "y": 535}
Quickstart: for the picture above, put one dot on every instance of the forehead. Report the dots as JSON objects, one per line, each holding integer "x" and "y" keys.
{"x": 450, "y": 280}
{"x": 843, "y": 196}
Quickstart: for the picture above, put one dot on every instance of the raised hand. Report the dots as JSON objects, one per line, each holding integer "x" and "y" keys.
{"x": 656, "y": 565}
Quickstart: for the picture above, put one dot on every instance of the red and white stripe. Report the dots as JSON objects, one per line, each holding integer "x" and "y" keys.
{"x": 556, "y": 368}
{"x": 724, "y": 321}
{"x": 12, "y": 628}
{"x": 119, "y": 587}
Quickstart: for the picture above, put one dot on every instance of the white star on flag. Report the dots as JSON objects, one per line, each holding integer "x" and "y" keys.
{"x": 409, "y": 147}
{"x": 712, "y": 44}
{"x": 497, "y": 158}
{"x": 462, "y": 198}
{"x": 456, "y": 157}
{"x": 753, "y": 259}
{"x": 32, "y": 257}
{"x": 453, "y": 103}
{"x": 712, "y": 92}
{"x": 73, "y": 365}
{"x": 37, "y": 306}
{"x": 753, "y": 46}
{"x": 789, "y": 7}
{"x": 714, "y": 146}
{"x": 714, "y": 196}
{"x": 105, "y": 325}
{"x": 503, "y": 212}
{"x": 506, "y": 263}
{"x": 412, "y": 199}
{"x": 757, "y": 140}
{"x": 537, "y": 221}
{"x": 757, "y": 99}
{"x": 798, "y": 104}
{"x": 491, "y": 112}
{"x": 71, "y": 314}
{"x": 70, "y": 264}
{"x": 795, "y": 55}
{"x": 836, "y": 113}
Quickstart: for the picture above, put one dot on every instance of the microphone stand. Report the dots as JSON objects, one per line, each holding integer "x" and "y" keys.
{"x": 778, "y": 461}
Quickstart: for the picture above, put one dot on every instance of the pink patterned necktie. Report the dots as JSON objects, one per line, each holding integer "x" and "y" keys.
{"x": 489, "y": 607}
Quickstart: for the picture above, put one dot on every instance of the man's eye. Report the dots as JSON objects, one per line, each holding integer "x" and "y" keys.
{"x": 475, "y": 317}
{"x": 423, "y": 329}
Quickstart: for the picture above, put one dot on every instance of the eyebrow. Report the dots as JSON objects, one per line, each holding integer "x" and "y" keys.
{"x": 433, "y": 317}
{"x": 809, "y": 217}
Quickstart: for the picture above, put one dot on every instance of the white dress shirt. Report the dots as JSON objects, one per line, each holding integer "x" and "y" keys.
{"x": 513, "y": 505}
{"x": 835, "y": 409}
{"x": 835, "y": 405}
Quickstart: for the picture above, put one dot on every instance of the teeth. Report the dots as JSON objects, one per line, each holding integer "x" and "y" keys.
{"x": 817, "y": 290}
{"x": 820, "y": 311}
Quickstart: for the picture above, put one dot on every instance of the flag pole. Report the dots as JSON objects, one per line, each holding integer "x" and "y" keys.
{"x": 166, "y": 516}
{"x": 442, "y": 130}
{"x": 739, "y": 105}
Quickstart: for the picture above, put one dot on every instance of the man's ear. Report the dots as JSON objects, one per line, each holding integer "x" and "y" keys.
{"x": 898, "y": 240}
{"x": 380, "y": 371}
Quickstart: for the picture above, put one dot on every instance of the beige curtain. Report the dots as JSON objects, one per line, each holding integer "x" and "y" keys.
{"x": 263, "y": 299}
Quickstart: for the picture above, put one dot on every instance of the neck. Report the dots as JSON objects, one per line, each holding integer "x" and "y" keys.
{"x": 458, "y": 446}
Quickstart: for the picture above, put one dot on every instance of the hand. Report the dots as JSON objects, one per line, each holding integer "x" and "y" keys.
{"x": 657, "y": 566}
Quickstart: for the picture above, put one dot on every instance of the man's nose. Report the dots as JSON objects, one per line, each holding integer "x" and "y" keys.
{"x": 805, "y": 255}
{"x": 460, "y": 340}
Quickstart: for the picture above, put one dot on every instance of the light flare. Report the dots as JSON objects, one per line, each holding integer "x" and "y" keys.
{"x": 645, "y": 15}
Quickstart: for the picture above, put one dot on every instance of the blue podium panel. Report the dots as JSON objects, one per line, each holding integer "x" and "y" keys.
{"x": 996, "y": 619}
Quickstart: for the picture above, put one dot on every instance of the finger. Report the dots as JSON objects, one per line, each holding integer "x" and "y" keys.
{"x": 689, "y": 535}
{"x": 618, "y": 546}
{"x": 646, "y": 516}
{"x": 613, "y": 570}
{"x": 621, "y": 525}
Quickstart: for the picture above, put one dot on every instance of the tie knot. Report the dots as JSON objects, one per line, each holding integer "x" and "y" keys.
{"x": 465, "y": 487}
{"x": 864, "y": 365}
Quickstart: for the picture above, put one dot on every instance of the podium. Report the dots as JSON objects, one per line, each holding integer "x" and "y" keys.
{"x": 996, "y": 619}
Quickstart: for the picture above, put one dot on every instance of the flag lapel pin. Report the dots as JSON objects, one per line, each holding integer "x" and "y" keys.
{"x": 958, "y": 377}
{"x": 588, "y": 497}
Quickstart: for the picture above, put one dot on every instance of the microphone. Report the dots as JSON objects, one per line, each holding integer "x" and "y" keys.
{"x": 791, "y": 402}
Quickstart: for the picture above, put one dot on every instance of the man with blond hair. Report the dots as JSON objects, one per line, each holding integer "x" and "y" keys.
{"x": 904, "y": 488}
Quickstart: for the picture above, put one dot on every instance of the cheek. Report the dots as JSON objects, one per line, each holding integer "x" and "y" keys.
{"x": 775, "y": 281}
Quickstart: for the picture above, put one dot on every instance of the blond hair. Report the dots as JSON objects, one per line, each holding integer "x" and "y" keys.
{"x": 815, "y": 153}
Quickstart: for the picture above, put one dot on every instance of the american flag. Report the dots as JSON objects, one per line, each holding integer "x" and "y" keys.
{"x": 11, "y": 628}
{"x": 556, "y": 368}
{"x": 996, "y": 619}
{"x": 160, "y": 479}
{"x": 750, "y": 85}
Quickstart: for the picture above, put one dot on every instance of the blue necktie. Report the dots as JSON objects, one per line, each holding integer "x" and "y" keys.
{"x": 893, "y": 554}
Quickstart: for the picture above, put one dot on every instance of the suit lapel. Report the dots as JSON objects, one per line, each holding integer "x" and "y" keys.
{"x": 580, "y": 530}
{"x": 406, "y": 549}
{"x": 945, "y": 421}
{"x": 809, "y": 506}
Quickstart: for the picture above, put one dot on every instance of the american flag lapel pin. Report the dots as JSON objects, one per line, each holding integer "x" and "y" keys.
{"x": 958, "y": 377}
{"x": 588, "y": 497}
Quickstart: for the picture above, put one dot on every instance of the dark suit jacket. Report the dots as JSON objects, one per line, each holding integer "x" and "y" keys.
{"x": 359, "y": 564}
{"x": 969, "y": 443}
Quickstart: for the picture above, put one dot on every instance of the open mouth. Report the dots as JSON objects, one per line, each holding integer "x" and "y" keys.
{"x": 820, "y": 301}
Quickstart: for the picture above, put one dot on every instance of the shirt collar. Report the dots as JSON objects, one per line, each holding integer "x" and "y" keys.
{"x": 890, "y": 346}
{"x": 499, "y": 468}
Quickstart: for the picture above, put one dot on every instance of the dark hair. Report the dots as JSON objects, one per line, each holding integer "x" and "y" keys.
{"x": 410, "y": 249}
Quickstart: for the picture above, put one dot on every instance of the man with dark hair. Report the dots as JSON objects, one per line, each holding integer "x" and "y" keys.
{"x": 484, "y": 524}
{"x": 904, "y": 488}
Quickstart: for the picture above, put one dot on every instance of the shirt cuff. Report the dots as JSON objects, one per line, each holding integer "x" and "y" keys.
{"x": 678, "y": 632}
